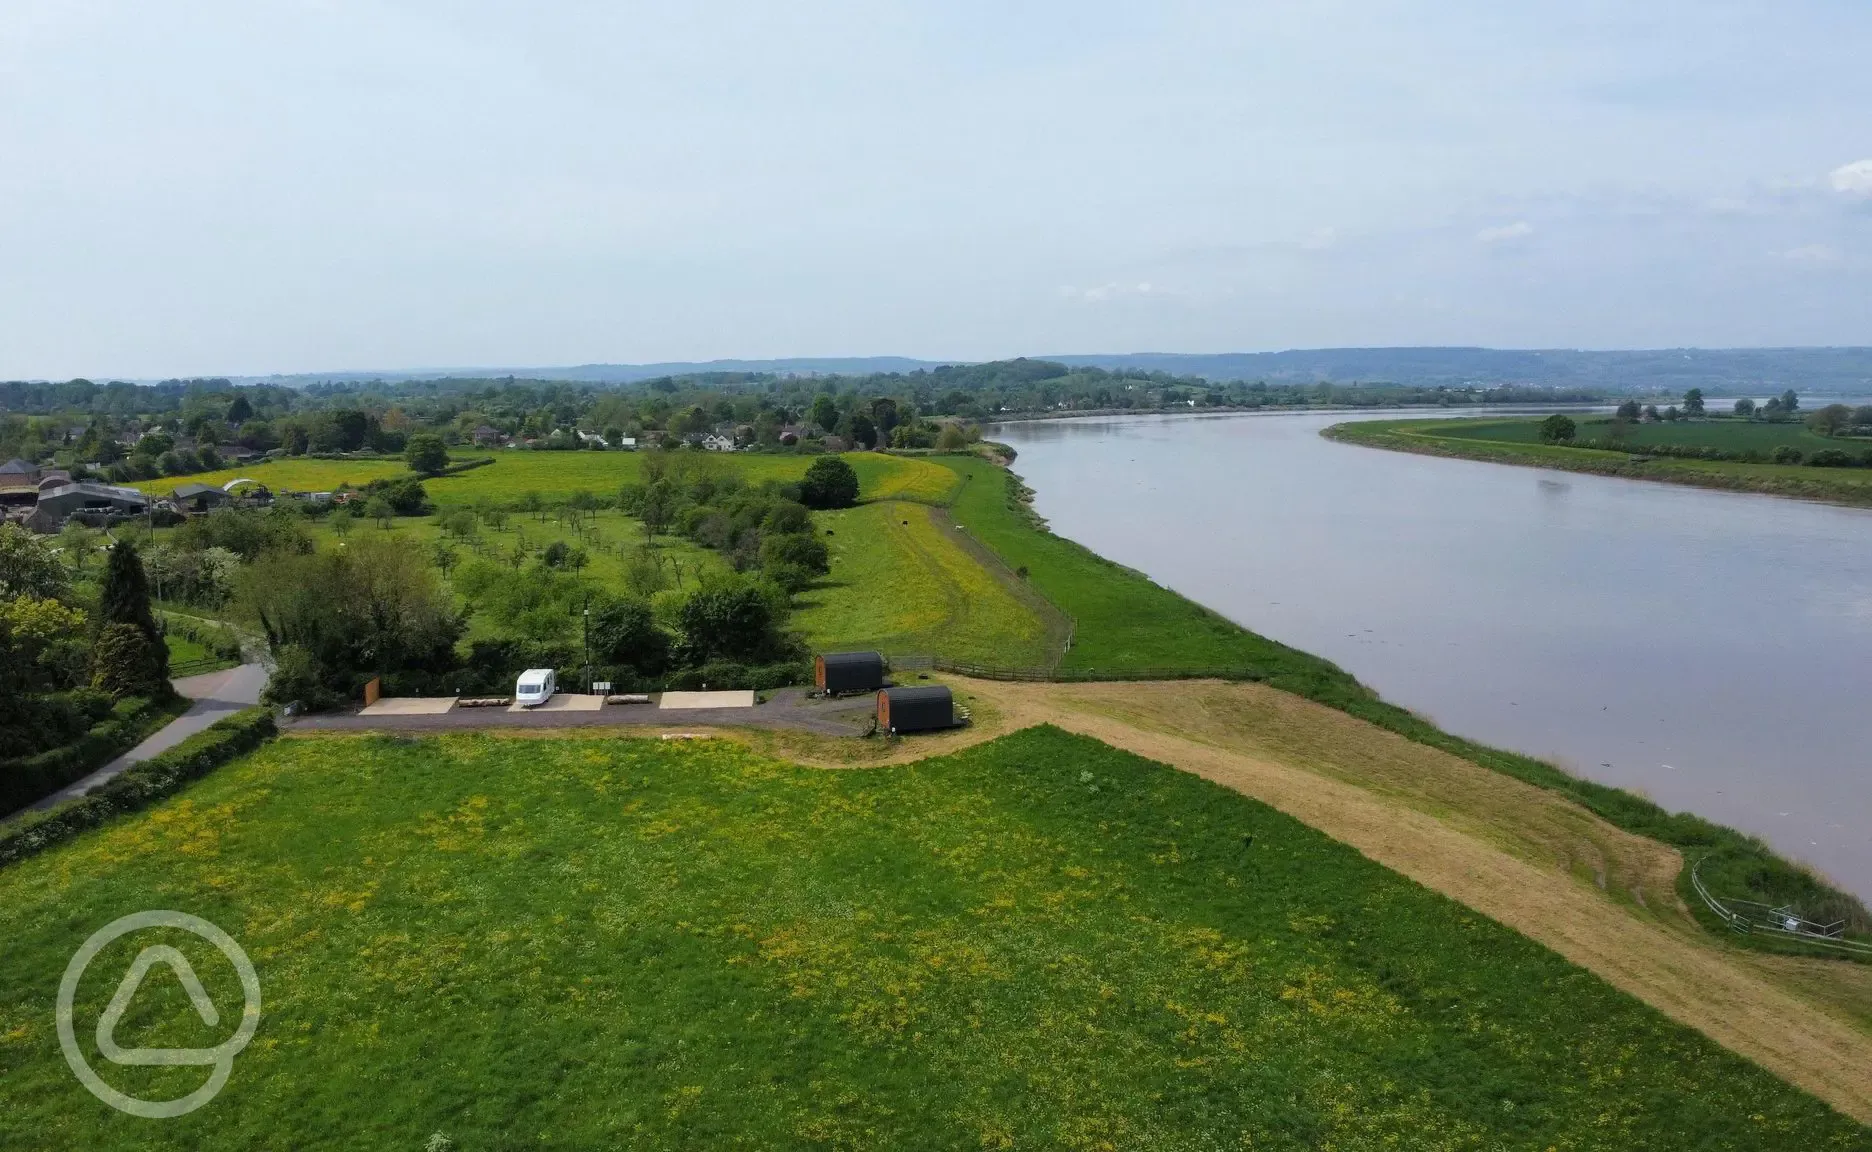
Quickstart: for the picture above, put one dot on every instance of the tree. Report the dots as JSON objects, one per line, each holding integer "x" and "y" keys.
{"x": 296, "y": 441}
{"x": 333, "y": 619}
{"x": 953, "y": 439}
{"x": 830, "y": 483}
{"x": 426, "y": 454}
{"x": 1556, "y": 429}
{"x": 377, "y": 508}
{"x": 341, "y": 522}
{"x": 124, "y": 597}
{"x": 240, "y": 411}
{"x": 1829, "y": 420}
{"x": 1693, "y": 402}
{"x": 625, "y": 632}
{"x": 130, "y": 658}
{"x": 884, "y": 416}
{"x": 1745, "y": 407}
{"x": 863, "y": 431}
{"x": 27, "y": 566}
{"x": 657, "y": 508}
{"x": 1790, "y": 403}
{"x": 125, "y": 663}
{"x": 729, "y": 620}
{"x": 825, "y": 412}
{"x": 1651, "y": 412}
{"x": 444, "y": 558}
{"x": 460, "y": 524}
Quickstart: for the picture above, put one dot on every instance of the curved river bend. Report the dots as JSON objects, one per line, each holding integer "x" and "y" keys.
{"x": 1708, "y": 649}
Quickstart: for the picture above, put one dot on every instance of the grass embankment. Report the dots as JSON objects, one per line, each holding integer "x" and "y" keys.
{"x": 900, "y": 583}
{"x": 556, "y": 476}
{"x": 1516, "y": 442}
{"x": 1036, "y": 942}
{"x": 1129, "y": 627}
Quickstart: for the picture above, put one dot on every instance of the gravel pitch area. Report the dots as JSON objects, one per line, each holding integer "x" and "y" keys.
{"x": 786, "y": 708}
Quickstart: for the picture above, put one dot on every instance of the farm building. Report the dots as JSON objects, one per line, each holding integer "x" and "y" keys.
{"x": 198, "y": 497}
{"x": 921, "y": 709}
{"x": 837, "y": 672}
{"x": 92, "y": 503}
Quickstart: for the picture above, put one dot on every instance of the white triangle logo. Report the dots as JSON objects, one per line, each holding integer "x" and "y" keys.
{"x": 126, "y": 991}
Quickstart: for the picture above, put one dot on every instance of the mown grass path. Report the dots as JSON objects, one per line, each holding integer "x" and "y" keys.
{"x": 903, "y": 583}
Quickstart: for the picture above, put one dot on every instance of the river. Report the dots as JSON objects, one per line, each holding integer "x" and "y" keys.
{"x": 1707, "y": 649}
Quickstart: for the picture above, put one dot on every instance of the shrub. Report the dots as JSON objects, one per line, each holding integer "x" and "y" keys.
{"x": 1830, "y": 458}
{"x": 405, "y": 495}
{"x": 141, "y": 784}
{"x": 795, "y": 550}
{"x": 1557, "y": 429}
{"x": 80, "y": 751}
{"x": 1787, "y": 454}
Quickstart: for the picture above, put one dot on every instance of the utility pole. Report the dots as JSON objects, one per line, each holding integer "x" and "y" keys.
{"x": 587, "y": 616}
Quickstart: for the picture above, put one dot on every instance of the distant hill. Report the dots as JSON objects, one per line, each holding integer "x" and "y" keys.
{"x": 1671, "y": 369}
{"x": 623, "y": 373}
{"x": 1836, "y": 370}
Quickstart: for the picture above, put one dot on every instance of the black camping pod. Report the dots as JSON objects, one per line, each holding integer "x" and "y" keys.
{"x": 920, "y": 709}
{"x": 848, "y": 672}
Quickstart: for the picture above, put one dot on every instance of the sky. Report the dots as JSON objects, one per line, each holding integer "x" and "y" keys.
{"x": 318, "y": 185}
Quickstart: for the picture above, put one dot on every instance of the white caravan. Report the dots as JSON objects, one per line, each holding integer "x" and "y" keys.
{"x": 536, "y": 686}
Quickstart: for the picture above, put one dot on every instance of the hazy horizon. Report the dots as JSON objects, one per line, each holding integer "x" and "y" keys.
{"x": 398, "y": 186}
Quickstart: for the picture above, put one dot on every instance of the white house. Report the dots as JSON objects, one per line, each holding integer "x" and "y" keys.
{"x": 716, "y": 442}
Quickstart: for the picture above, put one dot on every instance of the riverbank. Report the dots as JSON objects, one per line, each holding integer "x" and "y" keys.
{"x": 1129, "y": 627}
{"x": 1849, "y": 486}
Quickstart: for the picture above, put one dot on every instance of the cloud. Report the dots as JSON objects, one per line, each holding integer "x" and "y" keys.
{"x": 1505, "y": 232}
{"x": 1812, "y": 255}
{"x": 1853, "y": 179}
{"x": 1112, "y": 290}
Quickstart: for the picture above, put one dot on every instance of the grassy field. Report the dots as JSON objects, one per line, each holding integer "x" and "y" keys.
{"x": 1726, "y": 435}
{"x": 557, "y": 475}
{"x": 902, "y": 585}
{"x": 1037, "y": 942}
{"x": 1512, "y": 442}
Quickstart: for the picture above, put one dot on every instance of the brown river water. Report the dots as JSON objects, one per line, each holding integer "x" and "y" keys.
{"x": 1709, "y": 649}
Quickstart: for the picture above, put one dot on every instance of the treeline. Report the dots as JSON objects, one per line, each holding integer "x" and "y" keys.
{"x": 138, "y": 433}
